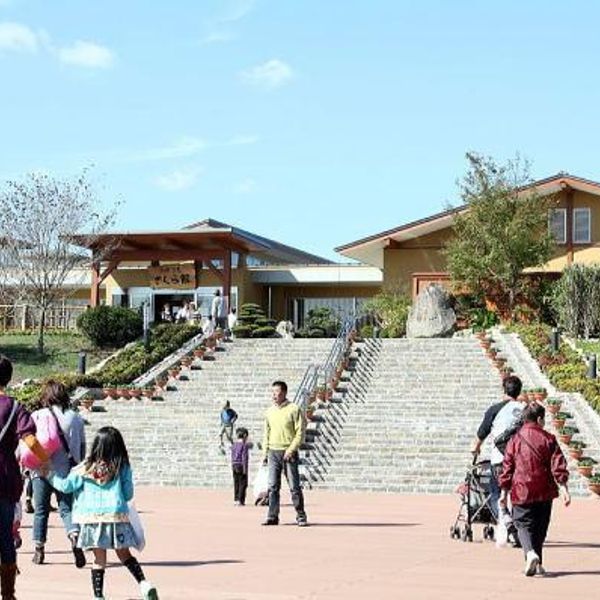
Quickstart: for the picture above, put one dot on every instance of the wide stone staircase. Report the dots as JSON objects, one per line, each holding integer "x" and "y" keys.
{"x": 175, "y": 442}
{"x": 409, "y": 418}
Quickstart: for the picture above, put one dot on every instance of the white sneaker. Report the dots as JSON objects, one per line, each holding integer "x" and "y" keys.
{"x": 148, "y": 591}
{"x": 540, "y": 570}
{"x": 532, "y": 562}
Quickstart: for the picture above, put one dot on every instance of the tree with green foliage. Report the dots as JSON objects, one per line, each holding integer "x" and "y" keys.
{"x": 390, "y": 307}
{"x": 501, "y": 230}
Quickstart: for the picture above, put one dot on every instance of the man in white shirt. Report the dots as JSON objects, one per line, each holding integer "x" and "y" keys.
{"x": 497, "y": 419}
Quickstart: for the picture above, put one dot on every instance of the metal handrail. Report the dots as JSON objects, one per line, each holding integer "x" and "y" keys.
{"x": 316, "y": 374}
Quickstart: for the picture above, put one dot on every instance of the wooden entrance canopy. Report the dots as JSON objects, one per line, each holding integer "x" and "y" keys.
{"x": 203, "y": 247}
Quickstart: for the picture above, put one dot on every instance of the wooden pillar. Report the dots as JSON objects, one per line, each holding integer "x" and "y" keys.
{"x": 569, "y": 225}
{"x": 227, "y": 281}
{"x": 95, "y": 292}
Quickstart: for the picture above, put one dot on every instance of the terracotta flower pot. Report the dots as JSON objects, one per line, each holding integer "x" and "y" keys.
{"x": 123, "y": 392}
{"x": 538, "y": 396}
{"x": 199, "y": 352}
{"x": 186, "y": 361}
{"x": 161, "y": 382}
{"x": 135, "y": 393}
{"x": 595, "y": 488}
{"x": 553, "y": 408}
{"x": 576, "y": 453}
{"x": 565, "y": 438}
{"x": 148, "y": 392}
{"x": 558, "y": 423}
{"x": 110, "y": 392}
{"x": 586, "y": 470}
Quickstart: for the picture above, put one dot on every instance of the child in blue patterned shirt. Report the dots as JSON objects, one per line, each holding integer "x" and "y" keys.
{"x": 102, "y": 486}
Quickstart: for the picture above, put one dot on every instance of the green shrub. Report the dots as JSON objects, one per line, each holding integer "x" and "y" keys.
{"x": 110, "y": 326}
{"x": 242, "y": 331}
{"x": 391, "y": 309}
{"x": 366, "y": 331}
{"x": 263, "y": 332}
{"x": 324, "y": 320}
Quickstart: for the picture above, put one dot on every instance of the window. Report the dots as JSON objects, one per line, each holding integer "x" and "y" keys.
{"x": 557, "y": 224}
{"x": 581, "y": 225}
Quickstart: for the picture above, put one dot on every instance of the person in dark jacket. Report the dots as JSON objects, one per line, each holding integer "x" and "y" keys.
{"x": 240, "y": 451}
{"x": 534, "y": 470}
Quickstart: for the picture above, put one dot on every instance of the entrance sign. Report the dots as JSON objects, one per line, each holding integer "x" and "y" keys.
{"x": 178, "y": 277}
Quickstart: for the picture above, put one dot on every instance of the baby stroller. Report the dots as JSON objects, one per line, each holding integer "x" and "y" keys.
{"x": 475, "y": 504}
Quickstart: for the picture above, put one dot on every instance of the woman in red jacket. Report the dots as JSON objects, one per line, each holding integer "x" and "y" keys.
{"x": 534, "y": 470}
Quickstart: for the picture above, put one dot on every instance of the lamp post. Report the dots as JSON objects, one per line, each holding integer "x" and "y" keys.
{"x": 555, "y": 339}
{"x": 81, "y": 358}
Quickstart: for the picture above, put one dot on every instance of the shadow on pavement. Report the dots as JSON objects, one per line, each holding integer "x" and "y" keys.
{"x": 189, "y": 563}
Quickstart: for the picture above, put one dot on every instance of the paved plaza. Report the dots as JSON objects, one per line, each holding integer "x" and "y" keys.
{"x": 360, "y": 546}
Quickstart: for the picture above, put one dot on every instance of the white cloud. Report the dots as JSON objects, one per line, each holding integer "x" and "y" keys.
{"x": 184, "y": 147}
{"x": 246, "y": 186}
{"x": 271, "y": 74}
{"x": 88, "y": 55}
{"x": 242, "y": 140}
{"x": 179, "y": 179}
{"x": 15, "y": 37}
{"x": 219, "y": 37}
{"x": 236, "y": 11}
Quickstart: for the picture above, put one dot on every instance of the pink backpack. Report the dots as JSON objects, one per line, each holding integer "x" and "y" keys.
{"x": 47, "y": 434}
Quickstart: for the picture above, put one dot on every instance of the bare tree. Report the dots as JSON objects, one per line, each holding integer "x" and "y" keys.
{"x": 38, "y": 215}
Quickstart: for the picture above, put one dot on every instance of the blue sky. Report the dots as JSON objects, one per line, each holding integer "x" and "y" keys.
{"x": 312, "y": 122}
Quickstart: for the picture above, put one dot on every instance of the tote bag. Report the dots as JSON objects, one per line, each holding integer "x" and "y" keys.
{"x": 136, "y": 525}
{"x": 47, "y": 435}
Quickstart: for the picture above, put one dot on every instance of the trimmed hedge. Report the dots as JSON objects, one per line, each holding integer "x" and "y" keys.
{"x": 122, "y": 369}
{"x": 111, "y": 326}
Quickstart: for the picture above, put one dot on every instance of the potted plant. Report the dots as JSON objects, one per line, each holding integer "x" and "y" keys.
{"x": 491, "y": 353}
{"x": 558, "y": 420}
{"x": 123, "y": 391}
{"x": 499, "y": 361}
{"x": 161, "y": 381}
{"x": 186, "y": 361}
{"x": 173, "y": 371}
{"x": 87, "y": 401}
{"x": 594, "y": 484}
{"x": 585, "y": 466}
{"x": 135, "y": 392}
{"x": 539, "y": 394}
{"x": 310, "y": 411}
{"x": 321, "y": 392}
{"x": 480, "y": 334}
{"x": 576, "y": 449}
{"x": 110, "y": 391}
{"x": 553, "y": 405}
{"x": 199, "y": 351}
{"x": 148, "y": 391}
{"x": 486, "y": 343}
{"x": 566, "y": 433}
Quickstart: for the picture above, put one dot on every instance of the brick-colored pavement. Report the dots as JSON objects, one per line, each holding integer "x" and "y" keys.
{"x": 373, "y": 546}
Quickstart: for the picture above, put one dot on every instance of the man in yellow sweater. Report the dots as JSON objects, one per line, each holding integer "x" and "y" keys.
{"x": 284, "y": 430}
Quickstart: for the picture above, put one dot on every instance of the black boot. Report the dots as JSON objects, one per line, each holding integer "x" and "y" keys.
{"x": 8, "y": 574}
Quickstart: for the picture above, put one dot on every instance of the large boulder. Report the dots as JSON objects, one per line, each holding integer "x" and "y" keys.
{"x": 431, "y": 315}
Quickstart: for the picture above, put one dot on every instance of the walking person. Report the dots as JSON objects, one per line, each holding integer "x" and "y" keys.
{"x": 534, "y": 470}
{"x": 15, "y": 424}
{"x": 102, "y": 486}
{"x": 228, "y": 418}
{"x": 216, "y": 309}
{"x": 497, "y": 420}
{"x": 240, "y": 452}
{"x": 283, "y": 432}
{"x": 70, "y": 428}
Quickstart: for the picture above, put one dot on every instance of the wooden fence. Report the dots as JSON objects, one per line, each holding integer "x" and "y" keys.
{"x": 25, "y": 316}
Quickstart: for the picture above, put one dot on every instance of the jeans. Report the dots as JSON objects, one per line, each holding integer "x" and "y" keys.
{"x": 240, "y": 484}
{"x": 41, "y": 504}
{"x": 8, "y": 554}
{"x": 227, "y": 431}
{"x": 532, "y": 522}
{"x": 276, "y": 467}
{"x": 494, "y": 489}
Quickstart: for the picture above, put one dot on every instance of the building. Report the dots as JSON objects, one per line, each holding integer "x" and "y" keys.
{"x": 411, "y": 255}
{"x": 161, "y": 267}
